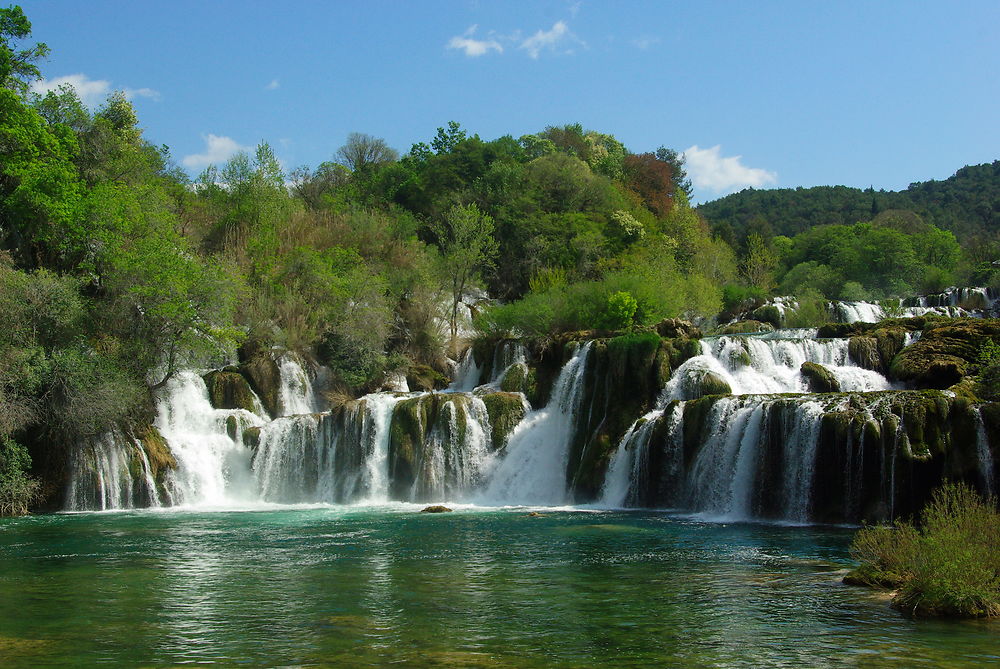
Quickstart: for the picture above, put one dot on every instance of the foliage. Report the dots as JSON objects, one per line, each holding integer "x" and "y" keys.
{"x": 17, "y": 489}
{"x": 989, "y": 369}
{"x": 949, "y": 565}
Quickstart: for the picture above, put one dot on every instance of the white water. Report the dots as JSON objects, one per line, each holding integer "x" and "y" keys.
{"x": 533, "y": 468}
{"x": 986, "y": 464}
{"x": 295, "y": 392}
{"x": 754, "y": 365}
{"x": 213, "y": 469}
{"x": 101, "y": 475}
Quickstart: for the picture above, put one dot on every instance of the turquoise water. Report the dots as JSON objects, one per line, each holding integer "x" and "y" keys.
{"x": 362, "y": 587}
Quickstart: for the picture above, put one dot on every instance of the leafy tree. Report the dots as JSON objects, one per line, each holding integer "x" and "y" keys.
{"x": 362, "y": 151}
{"x": 759, "y": 263}
{"x": 17, "y": 68}
{"x": 465, "y": 238}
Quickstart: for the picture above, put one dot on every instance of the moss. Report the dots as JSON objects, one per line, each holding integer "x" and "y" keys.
{"x": 516, "y": 379}
{"x": 947, "y": 351}
{"x": 251, "y": 438}
{"x": 675, "y": 328}
{"x": 819, "y": 378}
{"x": 745, "y": 327}
{"x": 505, "y": 411}
{"x": 261, "y": 370}
{"x": 435, "y": 508}
{"x": 423, "y": 377}
{"x": 711, "y": 383}
{"x": 229, "y": 390}
{"x": 768, "y": 314}
{"x": 157, "y": 451}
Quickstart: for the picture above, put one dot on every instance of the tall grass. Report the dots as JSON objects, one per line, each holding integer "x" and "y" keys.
{"x": 947, "y": 566}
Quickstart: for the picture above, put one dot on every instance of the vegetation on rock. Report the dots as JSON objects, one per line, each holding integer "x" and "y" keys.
{"x": 948, "y": 565}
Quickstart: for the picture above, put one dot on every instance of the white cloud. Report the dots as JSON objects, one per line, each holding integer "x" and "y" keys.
{"x": 474, "y": 48}
{"x": 91, "y": 91}
{"x": 218, "y": 149}
{"x": 644, "y": 42}
{"x": 153, "y": 95}
{"x": 550, "y": 40}
{"x": 273, "y": 85}
{"x": 710, "y": 170}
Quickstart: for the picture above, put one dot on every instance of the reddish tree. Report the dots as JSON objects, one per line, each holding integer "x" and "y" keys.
{"x": 652, "y": 180}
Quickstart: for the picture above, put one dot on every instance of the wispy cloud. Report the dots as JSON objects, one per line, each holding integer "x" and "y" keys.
{"x": 218, "y": 149}
{"x": 558, "y": 39}
{"x": 474, "y": 48}
{"x": 644, "y": 42}
{"x": 91, "y": 91}
{"x": 274, "y": 85}
{"x": 710, "y": 170}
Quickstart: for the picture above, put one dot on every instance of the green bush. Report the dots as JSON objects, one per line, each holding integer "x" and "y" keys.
{"x": 17, "y": 489}
{"x": 950, "y": 566}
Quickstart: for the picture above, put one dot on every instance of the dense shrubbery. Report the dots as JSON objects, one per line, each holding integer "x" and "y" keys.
{"x": 948, "y": 565}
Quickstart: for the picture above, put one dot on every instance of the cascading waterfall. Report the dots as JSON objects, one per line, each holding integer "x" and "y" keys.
{"x": 102, "y": 475}
{"x": 213, "y": 466}
{"x": 533, "y": 468}
{"x": 295, "y": 392}
{"x": 768, "y": 364}
{"x": 987, "y": 468}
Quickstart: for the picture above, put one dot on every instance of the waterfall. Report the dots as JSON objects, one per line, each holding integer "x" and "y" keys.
{"x": 466, "y": 375}
{"x": 101, "y": 475}
{"x": 987, "y": 468}
{"x": 295, "y": 392}
{"x": 752, "y": 364}
{"x": 533, "y": 468}
{"x": 454, "y": 452}
{"x": 213, "y": 466}
{"x": 621, "y": 477}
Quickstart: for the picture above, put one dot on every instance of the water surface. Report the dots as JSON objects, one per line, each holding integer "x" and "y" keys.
{"x": 343, "y": 586}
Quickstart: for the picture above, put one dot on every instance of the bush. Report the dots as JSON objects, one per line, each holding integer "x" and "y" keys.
{"x": 17, "y": 489}
{"x": 950, "y": 566}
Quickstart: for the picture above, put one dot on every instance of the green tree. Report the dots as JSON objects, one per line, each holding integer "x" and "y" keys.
{"x": 759, "y": 264}
{"x": 465, "y": 238}
{"x": 17, "y": 68}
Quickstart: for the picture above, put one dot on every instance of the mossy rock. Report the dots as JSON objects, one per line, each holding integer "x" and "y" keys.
{"x": 819, "y": 378}
{"x": 229, "y": 390}
{"x": 423, "y": 377}
{"x": 675, "y": 328}
{"x": 505, "y": 411}
{"x": 745, "y": 327}
{"x": 947, "y": 351}
{"x": 157, "y": 451}
{"x": 711, "y": 383}
{"x": 839, "y": 330}
{"x": 518, "y": 379}
{"x": 436, "y": 508}
{"x": 768, "y": 314}
{"x": 251, "y": 438}
{"x": 261, "y": 370}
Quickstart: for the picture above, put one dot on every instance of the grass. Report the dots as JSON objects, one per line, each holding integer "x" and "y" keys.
{"x": 949, "y": 565}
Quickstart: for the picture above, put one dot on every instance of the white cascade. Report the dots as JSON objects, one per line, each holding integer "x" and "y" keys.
{"x": 101, "y": 475}
{"x": 753, "y": 365}
{"x": 295, "y": 391}
{"x": 213, "y": 467}
{"x": 454, "y": 453}
{"x": 532, "y": 469}
{"x": 985, "y": 456}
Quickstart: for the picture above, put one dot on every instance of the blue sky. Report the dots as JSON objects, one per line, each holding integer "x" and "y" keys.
{"x": 760, "y": 94}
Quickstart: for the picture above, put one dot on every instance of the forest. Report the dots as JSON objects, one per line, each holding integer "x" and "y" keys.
{"x": 118, "y": 269}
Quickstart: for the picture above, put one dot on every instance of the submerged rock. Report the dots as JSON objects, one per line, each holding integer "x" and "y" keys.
{"x": 436, "y": 508}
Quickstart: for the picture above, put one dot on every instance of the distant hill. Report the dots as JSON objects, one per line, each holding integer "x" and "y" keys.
{"x": 967, "y": 203}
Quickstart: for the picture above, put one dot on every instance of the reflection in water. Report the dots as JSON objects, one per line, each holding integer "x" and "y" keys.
{"x": 375, "y": 587}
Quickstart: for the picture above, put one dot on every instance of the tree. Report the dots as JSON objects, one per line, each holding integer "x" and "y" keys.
{"x": 465, "y": 238}
{"x": 363, "y": 151}
{"x": 759, "y": 264}
{"x": 676, "y": 162}
{"x": 17, "y": 68}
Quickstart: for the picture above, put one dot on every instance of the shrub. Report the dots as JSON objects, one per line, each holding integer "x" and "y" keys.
{"x": 949, "y": 566}
{"x": 17, "y": 489}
